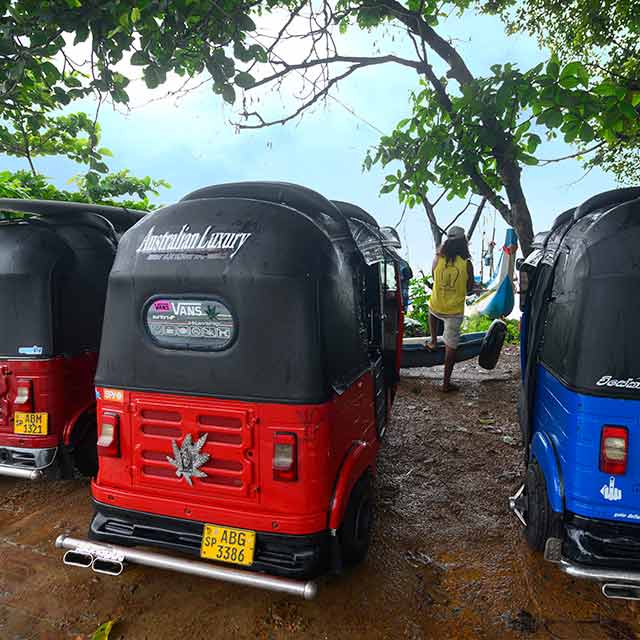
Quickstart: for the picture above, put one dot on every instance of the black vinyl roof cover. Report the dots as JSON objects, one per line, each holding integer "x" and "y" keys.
{"x": 321, "y": 211}
{"x": 285, "y": 276}
{"x": 120, "y": 217}
{"x": 582, "y": 304}
{"x": 354, "y": 211}
{"x": 53, "y": 281}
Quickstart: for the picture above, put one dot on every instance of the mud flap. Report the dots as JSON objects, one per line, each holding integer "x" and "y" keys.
{"x": 337, "y": 565}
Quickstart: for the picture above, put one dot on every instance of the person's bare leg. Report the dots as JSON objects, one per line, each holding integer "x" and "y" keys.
{"x": 449, "y": 362}
{"x": 432, "y": 343}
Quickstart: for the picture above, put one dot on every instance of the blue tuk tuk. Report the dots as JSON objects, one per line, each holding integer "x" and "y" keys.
{"x": 580, "y": 401}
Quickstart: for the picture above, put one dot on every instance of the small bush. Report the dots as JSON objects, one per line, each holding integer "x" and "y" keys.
{"x": 419, "y": 296}
{"x": 476, "y": 323}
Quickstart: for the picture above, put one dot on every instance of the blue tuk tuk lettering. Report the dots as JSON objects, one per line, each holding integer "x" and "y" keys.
{"x": 610, "y": 381}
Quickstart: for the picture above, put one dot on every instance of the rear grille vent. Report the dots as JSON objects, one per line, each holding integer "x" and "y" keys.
{"x": 230, "y": 469}
{"x": 163, "y": 416}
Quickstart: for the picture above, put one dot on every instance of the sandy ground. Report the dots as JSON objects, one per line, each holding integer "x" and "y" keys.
{"x": 448, "y": 560}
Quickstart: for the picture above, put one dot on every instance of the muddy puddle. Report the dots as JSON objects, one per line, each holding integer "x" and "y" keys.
{"x": 448, "y": 560}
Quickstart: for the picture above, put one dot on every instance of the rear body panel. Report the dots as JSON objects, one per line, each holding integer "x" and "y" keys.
{"x": 573, "y": 422}
{"x": 239, "y": 489}
{"x": 61, "y": 387}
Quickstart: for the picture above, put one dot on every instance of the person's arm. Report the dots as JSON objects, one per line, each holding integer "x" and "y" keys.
{"x": 471, "y": 281}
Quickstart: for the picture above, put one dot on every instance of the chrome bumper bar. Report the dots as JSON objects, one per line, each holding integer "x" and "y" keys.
{"x": 20, "y": 472}
{"x": 598, "y": 574}
{"x": 26, "y": 462}
{"x": 617, "y": 583}
{"x": 110, "y": 559}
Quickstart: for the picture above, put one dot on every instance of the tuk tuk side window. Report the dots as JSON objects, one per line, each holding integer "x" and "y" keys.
{"x": 390, "y": 283}
{"x": 189, "y": 323}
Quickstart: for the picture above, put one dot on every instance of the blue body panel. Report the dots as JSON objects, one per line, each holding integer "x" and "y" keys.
{"x": 566, "y": 441}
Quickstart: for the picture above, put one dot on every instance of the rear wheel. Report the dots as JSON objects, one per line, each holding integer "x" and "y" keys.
{"x": 85, "y": 451}
{"x": 357, "y": 526}
{"x": 538, "y": 510}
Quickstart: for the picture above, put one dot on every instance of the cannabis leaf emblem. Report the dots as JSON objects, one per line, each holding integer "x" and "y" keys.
{"x": 187, "y": 458}
{"x": 212, "y": 312}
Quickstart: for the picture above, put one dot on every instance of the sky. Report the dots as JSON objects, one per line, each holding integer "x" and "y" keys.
{"x": 191, "y": 142}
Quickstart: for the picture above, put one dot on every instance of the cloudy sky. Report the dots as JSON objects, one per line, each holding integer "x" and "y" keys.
{"x": 191, "y": 142}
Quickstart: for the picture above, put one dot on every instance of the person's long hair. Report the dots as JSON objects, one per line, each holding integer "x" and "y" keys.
{"x": 453, "y": 247}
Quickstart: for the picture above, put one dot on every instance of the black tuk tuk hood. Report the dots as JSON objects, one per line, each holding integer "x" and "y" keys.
{"x": 234, "y": 292}
{"x": 582, "y": 305}
{"x": 53, "y": 281}
{"x": 120, "y": 218}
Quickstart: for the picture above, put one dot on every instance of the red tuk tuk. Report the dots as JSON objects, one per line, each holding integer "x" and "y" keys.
{"x": 250, "y": 355}
{"x": 54, "y": 265}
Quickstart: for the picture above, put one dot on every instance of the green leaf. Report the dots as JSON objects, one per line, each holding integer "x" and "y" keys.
{"x": 553, "y": 68}
{"x": 575, "y": 70}
{"x": 244, "y": 80}
{"x": 587, "y": 134}
{"x": 609, "y": 89}
{"x": 527, "y": 159}
{"x": 387, "y": 188}
{"x": 533, "y": 142}
{"x": 135, "y": 14}
{"x": 569, "y": 82}
{"x": 504, "y": 96}
{"x": 74, "y": 4}
{"x": 628, "y": 111}
{"x": 103, "y": 631}
{"x": 553, "y": 118}
{"x": 229, "y": 94}
{"x": 152, "y": 77}
{"x": 139, "y": 58}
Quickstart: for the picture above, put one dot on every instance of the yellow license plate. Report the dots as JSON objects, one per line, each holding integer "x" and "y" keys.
{"x": 30, "y": 424}
{"x": 227, "y": 545}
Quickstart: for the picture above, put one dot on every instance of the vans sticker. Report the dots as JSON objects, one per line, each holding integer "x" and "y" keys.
{"x": 610, "y": 381}
{"x": 35, "y": 350}
{"x": 180, "y": 246}
{"x": 190, "y": 324}
{"x": 610, "y": 491}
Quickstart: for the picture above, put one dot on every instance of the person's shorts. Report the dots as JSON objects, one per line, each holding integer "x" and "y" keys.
{"x": 452, "y": 326}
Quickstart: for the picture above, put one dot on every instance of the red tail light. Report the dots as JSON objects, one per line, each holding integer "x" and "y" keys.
{"x": 24, "y": 396}
{"x": 109, "y": 435}
{"x": 614, "y": 447}
{"x": 285, "y": 457}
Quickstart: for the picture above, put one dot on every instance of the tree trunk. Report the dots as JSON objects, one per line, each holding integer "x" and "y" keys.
{"x": 510, "y": 173}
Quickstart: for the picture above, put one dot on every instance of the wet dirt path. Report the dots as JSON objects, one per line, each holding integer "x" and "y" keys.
{"x": 448, "y": 560}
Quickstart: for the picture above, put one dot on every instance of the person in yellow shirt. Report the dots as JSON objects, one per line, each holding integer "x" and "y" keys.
{"x": 452, "y": 282}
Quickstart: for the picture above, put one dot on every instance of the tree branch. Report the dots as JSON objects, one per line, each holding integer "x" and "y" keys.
{"x": 317, "y": 96}
{"x": 476, "y": 218}
{"x": 360, "y": 61}
{"x": 544, "y": 163}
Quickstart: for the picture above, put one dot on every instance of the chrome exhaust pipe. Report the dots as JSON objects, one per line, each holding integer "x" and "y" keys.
{"x": 108, "y": 567}
{"x": 17, "y": 472}
{"x": 621, "y": 591}
{"x": 109, "y": 556}
{"x": 76, "y": 558}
